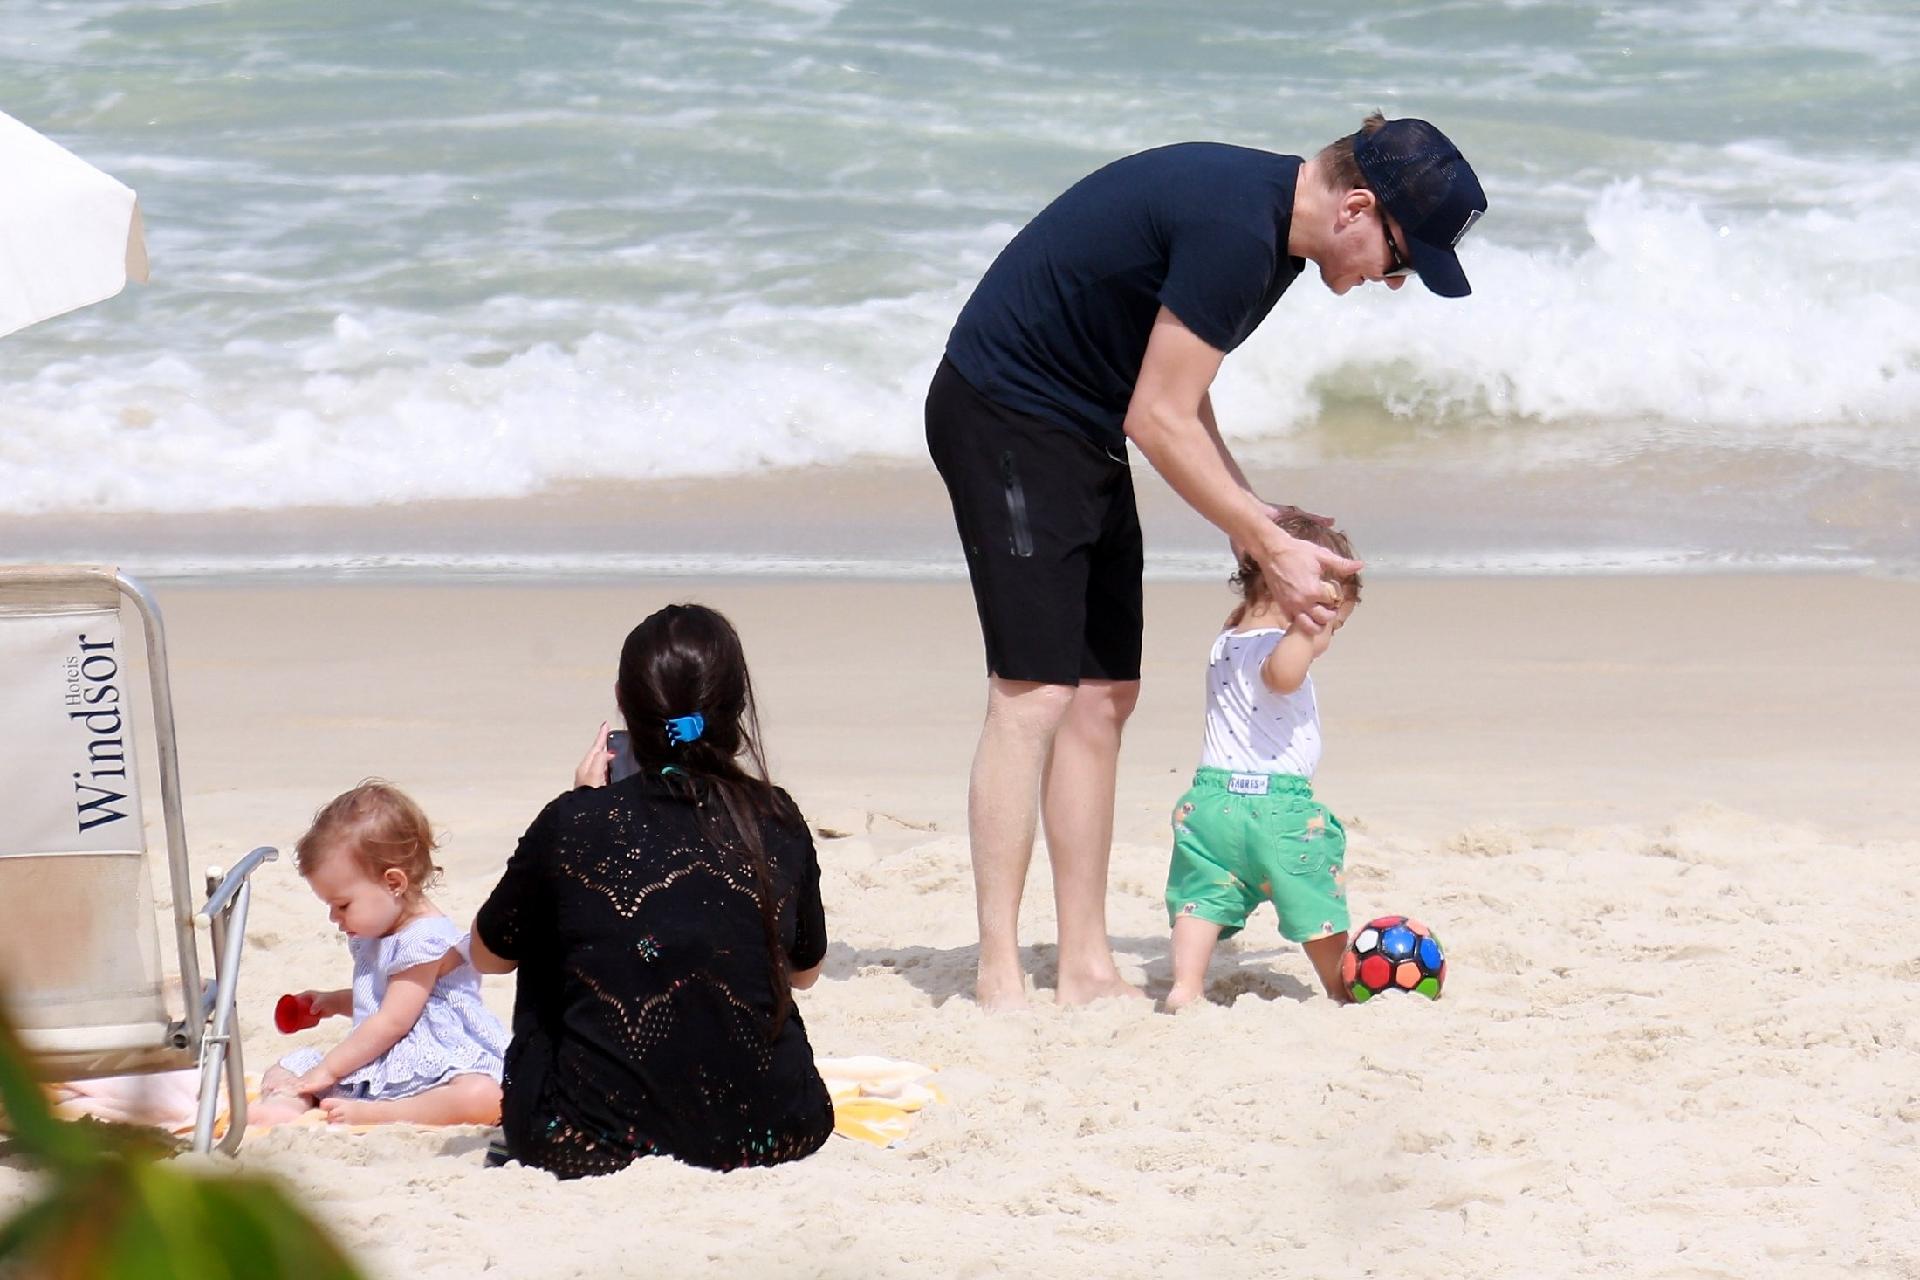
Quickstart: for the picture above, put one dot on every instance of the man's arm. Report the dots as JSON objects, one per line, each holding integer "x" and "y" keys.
{"x": 1212, "y": 425}
{"x": 1168, "y": 420}
{"x": 1274, "y": 511}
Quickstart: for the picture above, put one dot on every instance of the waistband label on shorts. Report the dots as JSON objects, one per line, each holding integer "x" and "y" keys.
{"x": 1248, "y": 784}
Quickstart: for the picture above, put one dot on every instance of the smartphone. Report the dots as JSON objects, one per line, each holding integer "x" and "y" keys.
{"x": 623, "y": 765}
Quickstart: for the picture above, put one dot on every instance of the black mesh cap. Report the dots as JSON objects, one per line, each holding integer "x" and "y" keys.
{"x": 1427, "y": 185}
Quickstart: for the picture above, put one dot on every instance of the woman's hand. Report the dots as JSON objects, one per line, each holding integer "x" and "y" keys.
{"x": 592, "y": 771}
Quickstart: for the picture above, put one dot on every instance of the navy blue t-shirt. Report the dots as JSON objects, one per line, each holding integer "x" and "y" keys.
{"x": 1059, "y": 324}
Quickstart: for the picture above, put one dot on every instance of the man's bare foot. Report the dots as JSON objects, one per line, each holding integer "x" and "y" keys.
{"x": 1078, "y": 991}
{"x": 997, "y": 988}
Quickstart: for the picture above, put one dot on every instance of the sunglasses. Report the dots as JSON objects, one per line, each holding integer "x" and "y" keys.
{"x": 1399, "y": 266}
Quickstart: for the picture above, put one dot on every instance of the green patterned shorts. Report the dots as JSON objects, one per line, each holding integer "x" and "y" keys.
{"x": 1240, "y": 839}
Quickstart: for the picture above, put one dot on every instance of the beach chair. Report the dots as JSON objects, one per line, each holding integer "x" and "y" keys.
{"x": 80, "y": 954}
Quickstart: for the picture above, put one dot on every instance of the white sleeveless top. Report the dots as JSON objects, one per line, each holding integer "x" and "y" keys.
{"x": 1250, "y": 728}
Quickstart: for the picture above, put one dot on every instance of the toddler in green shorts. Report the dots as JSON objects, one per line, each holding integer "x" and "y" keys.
{"x": 1249, "y": 830}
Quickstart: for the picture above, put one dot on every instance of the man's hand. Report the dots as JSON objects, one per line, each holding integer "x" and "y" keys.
{"x": 1297, "y": 571}
{"x": 1278, "y": 512}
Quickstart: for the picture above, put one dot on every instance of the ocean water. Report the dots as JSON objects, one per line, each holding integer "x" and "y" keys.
{"x": 496, "y": 251}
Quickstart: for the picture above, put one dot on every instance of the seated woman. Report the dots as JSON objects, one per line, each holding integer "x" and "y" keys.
{"x": 659, "y": 925}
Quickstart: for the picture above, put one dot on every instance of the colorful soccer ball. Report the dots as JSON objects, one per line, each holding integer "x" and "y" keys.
{"x": 1393, "y": 953}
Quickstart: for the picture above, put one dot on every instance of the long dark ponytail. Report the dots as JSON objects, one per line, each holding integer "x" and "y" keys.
{"x": 686, "y": 660}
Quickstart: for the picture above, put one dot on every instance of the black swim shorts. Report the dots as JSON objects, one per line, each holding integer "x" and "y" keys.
{"x": 1047, "y": 520}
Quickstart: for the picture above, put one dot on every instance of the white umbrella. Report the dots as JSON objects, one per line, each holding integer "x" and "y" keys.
{"x": 69, "y": 234}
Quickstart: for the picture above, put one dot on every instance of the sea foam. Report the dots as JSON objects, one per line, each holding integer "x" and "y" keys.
{"x": 1664, "y": 323}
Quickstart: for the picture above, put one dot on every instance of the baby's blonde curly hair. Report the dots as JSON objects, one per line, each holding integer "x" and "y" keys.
{"x": 382, "y": 828}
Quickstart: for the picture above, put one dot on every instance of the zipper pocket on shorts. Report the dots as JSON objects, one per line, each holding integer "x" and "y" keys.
{"x": 1016, "y": 506}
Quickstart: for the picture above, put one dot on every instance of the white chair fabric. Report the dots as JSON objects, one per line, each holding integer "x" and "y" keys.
{"x": 79, "y": 941}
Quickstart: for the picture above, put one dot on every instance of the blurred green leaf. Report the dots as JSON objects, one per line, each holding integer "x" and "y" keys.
{"x": 35, "y": 1222}
{"x": 36, "y": 1134}
{"x": 113, "y": 1207}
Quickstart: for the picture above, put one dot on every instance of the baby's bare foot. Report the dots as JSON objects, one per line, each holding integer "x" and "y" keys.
{"x": 350, "y": 1111}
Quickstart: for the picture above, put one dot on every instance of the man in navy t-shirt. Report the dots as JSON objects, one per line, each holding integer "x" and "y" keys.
{"x": 1104, "y": 321}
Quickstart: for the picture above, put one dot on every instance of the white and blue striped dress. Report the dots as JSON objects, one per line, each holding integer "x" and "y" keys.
{"x": 455, "y": 1034}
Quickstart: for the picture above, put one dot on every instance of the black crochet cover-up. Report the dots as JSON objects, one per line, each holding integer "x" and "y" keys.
{"x": 643, "y": 998}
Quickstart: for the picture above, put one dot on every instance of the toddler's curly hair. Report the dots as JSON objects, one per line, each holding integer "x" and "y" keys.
{"x": 1252, "y": 584}
{"x": 382, "y": 828}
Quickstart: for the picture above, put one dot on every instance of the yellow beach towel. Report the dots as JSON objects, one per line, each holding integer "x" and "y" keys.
{"x": 875, "y": 1099}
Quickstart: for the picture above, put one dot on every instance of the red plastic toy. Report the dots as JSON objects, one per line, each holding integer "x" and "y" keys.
{"x": 295, "y": 1013}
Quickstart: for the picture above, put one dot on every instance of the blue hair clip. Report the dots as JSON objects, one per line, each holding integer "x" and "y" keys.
{"x": 684, "y": 729}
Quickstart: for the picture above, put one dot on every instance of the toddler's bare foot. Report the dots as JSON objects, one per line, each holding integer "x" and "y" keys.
{"x": 1180, "y": 997}
{"x": 351, "y": 1111}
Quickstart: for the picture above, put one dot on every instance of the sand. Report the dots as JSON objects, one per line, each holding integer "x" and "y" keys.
{"x": 1666, "y": 828}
